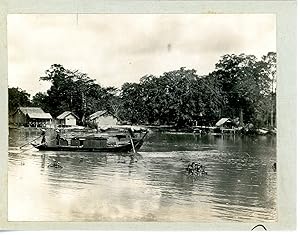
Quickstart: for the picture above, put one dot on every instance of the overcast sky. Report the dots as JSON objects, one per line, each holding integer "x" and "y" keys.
{"x": 119, "y": 48}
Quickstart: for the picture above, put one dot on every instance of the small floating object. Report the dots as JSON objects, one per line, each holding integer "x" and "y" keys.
{"x": 55, "y": 164}
{"x": 196, "y": 169}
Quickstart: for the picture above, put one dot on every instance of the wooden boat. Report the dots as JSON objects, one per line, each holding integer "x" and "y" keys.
{"x": 94, "y": 144}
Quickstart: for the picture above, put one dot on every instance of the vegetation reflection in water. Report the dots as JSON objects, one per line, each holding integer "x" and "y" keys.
{"x": 152, "y": 186}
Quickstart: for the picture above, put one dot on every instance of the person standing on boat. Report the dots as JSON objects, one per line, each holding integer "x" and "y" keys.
{"x": 131, "y": 132}
{"x": 43, "y": 136}
{"x": 57, "y": 137}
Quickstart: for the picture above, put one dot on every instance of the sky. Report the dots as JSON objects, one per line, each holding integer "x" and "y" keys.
{"x": 118, "y": 48}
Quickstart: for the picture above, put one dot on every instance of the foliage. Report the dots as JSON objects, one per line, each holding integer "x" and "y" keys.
{"x": 75, "y": 91}
{"x": 240, "y": 86}
{"x": 17, "y": 98}
{"x": 40, "y": 100}
{"x": 245, "y": 85}
{"x": 177, "y": 97}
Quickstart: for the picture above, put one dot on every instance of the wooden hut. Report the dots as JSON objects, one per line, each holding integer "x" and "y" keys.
{"x": 31, "y": 116}
{"x": 67, "y": 118}
{"x": 102, "y": 118}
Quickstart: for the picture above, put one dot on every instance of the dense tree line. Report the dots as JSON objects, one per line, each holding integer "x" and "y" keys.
{"x": 241, "y": 86}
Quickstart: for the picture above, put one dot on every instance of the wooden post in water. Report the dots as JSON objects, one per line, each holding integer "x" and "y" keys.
{"x": 133, "y": 147}
{"x": 131, "y": 141}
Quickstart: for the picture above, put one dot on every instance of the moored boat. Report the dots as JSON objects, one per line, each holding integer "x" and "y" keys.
{"x": 95, "y": 144}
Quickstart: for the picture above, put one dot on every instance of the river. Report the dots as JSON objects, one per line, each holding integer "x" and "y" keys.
{"x": 153, "y": 186}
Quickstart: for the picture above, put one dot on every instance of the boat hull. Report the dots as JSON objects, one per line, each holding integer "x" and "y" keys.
{"x": 121, "y": 148}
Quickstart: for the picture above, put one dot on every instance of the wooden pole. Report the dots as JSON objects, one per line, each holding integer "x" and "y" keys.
{"x": 133, "y": 147}
{"x": 29, "y": 142}
{"x": 26, "y": 150}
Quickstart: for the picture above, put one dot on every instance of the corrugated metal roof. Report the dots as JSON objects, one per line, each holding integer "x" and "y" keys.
{"x": 35, "y": 113}
{"x": 222, "y": 121}
{"x": 97, "y": 114}
{"x": 65, "y": 114}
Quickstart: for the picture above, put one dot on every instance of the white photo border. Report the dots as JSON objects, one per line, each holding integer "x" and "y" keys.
{"x": 285, "y": 12}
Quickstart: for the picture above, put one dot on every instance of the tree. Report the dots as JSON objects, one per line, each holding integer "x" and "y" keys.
{"x": 270, "y": 61}
{"x": 177, "y": 97}
{"x": 40, "y": 100}
{"x": 17, "y": 98}
{"x": 74, "y": 91}
{"x": 244, "y": 84}
{"x": 67, "y": 91}
{"x": 241, "y": 85}
{"x": 209, "y": 98}
{"x": 132, "y": 103}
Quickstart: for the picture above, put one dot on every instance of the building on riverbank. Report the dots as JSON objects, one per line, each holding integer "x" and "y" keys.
{"x": 31, "y": 117}
{"x": 67, "y": 118}
{"x": 227, "y": 125}
{"x": 102, "y": 118}
{"x": 225, "y": 122}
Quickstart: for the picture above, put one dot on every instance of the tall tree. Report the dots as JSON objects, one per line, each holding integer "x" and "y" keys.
{"x": 270, "y": 61}
{"x": 17, "y": 98}
{"x": 40, "y": 100}
{"x": 132, "y": 103}
{"x": 74, "y": 91}
{"x": 244, "y": 83}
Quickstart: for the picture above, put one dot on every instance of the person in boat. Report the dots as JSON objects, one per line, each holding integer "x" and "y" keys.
{"x": 131, "y": 132}
{"x": 57, "y": 137}
{"x": 43, "y": 141}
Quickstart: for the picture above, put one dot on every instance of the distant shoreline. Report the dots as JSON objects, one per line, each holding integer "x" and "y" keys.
{"x": 215, "y": 131}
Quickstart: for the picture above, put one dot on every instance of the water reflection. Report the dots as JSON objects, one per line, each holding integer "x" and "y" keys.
{"x": 150, "y": 186}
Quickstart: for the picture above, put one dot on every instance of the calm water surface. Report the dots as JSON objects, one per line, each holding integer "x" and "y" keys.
{"x": 240, "y": 185}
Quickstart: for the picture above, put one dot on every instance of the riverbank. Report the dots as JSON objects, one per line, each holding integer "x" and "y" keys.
{"x": 213, "y": 130}
{"x": 164, "y": 129}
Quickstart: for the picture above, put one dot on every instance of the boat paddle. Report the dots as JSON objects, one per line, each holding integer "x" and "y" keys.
{"x": 26, "y": 150}
{"x": 34, "y": 146}
{"x": 29, "y": 142}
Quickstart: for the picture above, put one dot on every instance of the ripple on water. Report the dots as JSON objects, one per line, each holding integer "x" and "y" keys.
{"x": 153, "y": 187}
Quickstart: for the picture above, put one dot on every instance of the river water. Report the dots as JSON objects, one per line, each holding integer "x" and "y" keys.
{"x": 152, "y": 186}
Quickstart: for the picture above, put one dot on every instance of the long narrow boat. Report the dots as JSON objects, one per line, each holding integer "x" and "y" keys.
{"x": 135, "y": 144}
